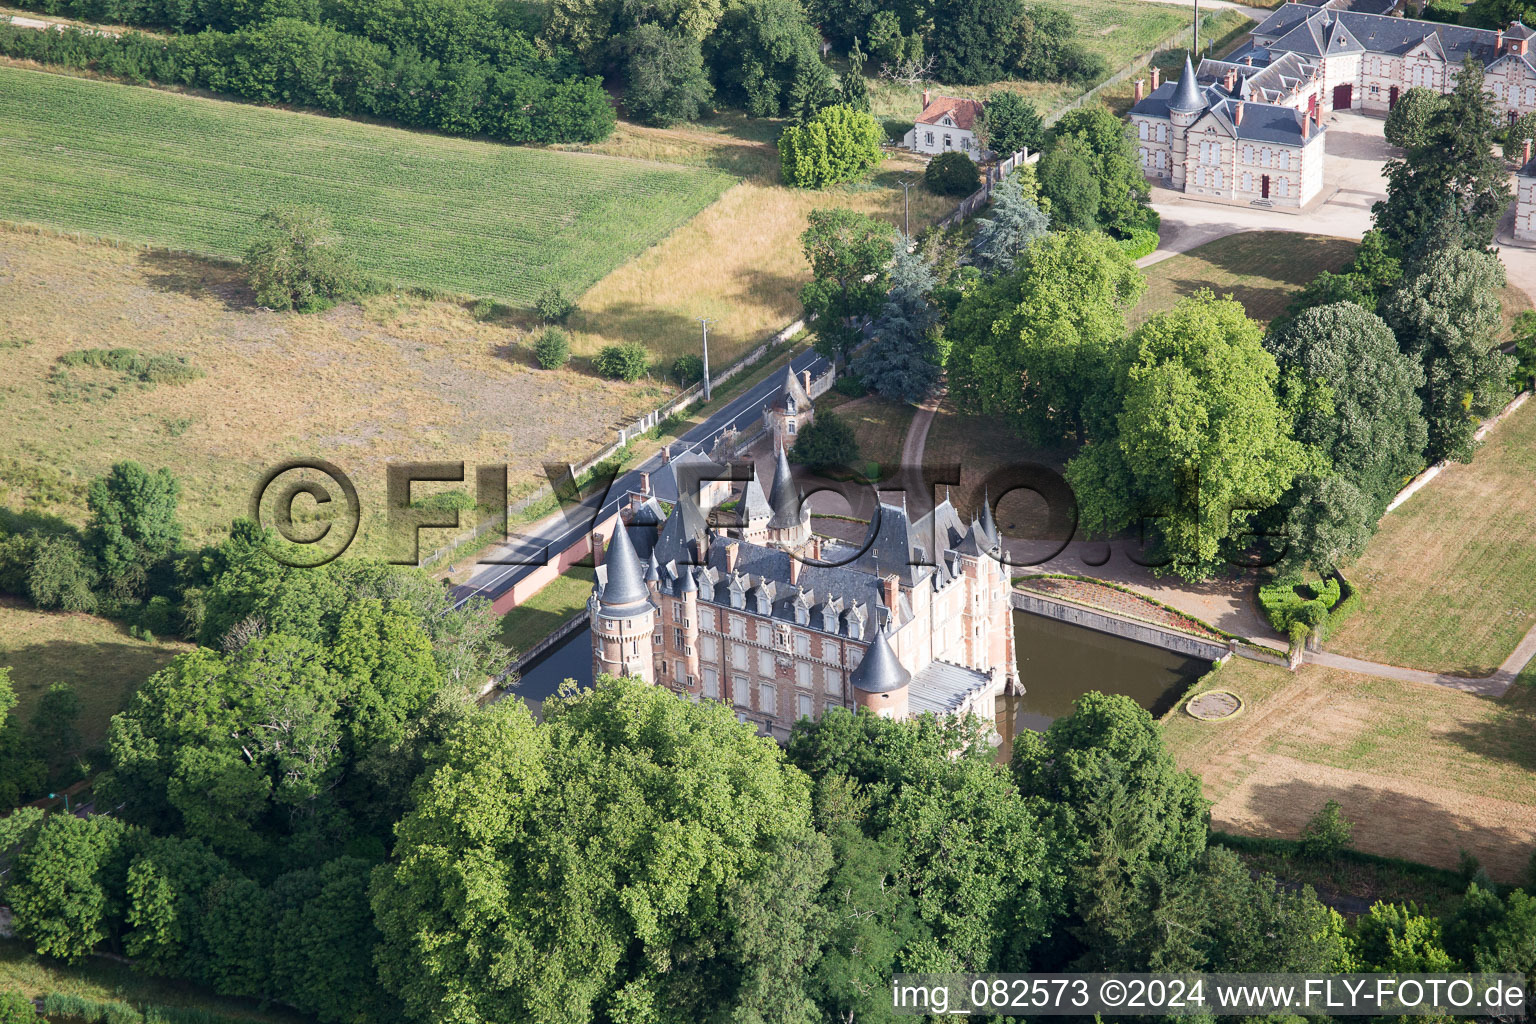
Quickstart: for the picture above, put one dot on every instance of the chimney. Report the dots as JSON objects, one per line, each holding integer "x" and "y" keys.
{"x": 731, "y": 551}
{"x": 1248, "y": 60}
{"x": 889, "y": 591}
{"x": 794, "y": 571}
{"x": 597, "y": 547}
{"x": 1525, "y": 153}
{"x": 645, "y": 483}
{"x": 1237, "y": 113}
{"x": 666, "y": 454}
{"x": 925, "y": 99}
{"x": 1155, "y": 76}
{"x": 1317, "y": 114}
{"x": 1230, "y": 81}
{"x": 1140, "y": 91}
{"x": 805, "y": 380}
{"x": 1306, "y": 127}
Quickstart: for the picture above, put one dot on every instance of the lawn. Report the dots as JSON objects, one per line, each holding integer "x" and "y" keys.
{"x": 1260, "y": 269}
{"x": 102, "y": 979}
{"x": 985, "y": 449}
{"x": 1449, "y": 581}
{"x": 465, "y": 217}
{"x": 544, "y": 612}
{"x": 1422, "y": 771}
{"x": 101, "y": 661}
{"x": 395, "y": 379}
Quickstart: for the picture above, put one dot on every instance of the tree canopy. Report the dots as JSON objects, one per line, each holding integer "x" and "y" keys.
{"x": 905, "y": 358}
{"x": 849, "y": 253}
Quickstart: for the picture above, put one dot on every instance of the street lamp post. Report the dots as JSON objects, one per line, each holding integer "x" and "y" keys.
{"x": 706, "y": 321}
{"x": 906, "y": 217}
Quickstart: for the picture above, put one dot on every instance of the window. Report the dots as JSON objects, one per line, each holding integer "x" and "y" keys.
{"x": 767, "y": 700}
{"x": 1210, "y": 152}
{"x": 802, "y": 645}
{"x": 741, "y": 693}
{"x": 1247, "y": 154}
{"x": 803, "y": 673}
{"x": 1217, "y": 176}
{"x": 949, "y": 142}
{"x": 677, "y": 639}
{"x": 1247, "y": 182}
{"x": 706, "y": 619}
{"x": 1530, "y": 95}
{"x": 1146, "y": 157}
{"x": 807, "y": 706}
{"x": 765, "y": 663}
{"x": 928, "y": 138}
{"x": 711, "y": 684}
{"x": 738, "y": 656}
{"x": 965, "y": 142}
{"x": 1284, "y": 186}
{"x": 1141, "y": 130}
{"x": 1266, "y": 157}
{"x": 738, "y": 627}
{"x": 834, "y": 680}
{"x": 1162, "y": 133}
{"x": 709, "y": 650}
{"x": 1162, "y": 158}
{"x": 764, "y": 634}
{"x": 829, "y": 650}
{"x": 1284, "y": 163}
{"x": 678, "y": 671}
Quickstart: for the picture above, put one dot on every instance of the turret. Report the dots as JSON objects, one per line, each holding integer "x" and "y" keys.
{"x": 1184, "y": 107}
{"x": 790, "y": 526}
{"x": 880, "y": 680}
{"x": 623, "y": 613}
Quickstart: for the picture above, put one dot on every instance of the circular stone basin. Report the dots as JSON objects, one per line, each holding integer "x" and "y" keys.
{"x": 1214, "y": 705}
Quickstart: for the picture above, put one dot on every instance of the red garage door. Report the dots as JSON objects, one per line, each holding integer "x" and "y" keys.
{"x": 1343, "y": 96}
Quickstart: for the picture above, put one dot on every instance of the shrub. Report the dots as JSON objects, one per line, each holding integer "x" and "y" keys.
{"x": 688, "y": 369}
{"x": 826, "y": 441}
{"x": 15, "y": 563}
{"x": 1328, "y": 833}
{"x": 952, "y": 174}
{"x": 61, "y": 576}
{"x": 1287, "y": 602}
{"x": 1142, "y": 242}
{"x": 625, "y": 362}
{"x": 163, "y": 368}
{"x": 553, "y": 349}
{"x": 16, "y": 1008}
{"x": 838, "y": 144}
{"x": 295, "y": 263}
{"x": 553, "y": 306}
{"x": 850, "y": 384}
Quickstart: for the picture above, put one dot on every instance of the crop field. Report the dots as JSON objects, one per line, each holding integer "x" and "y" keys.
{"x": 459, "y": 216}
{"x": 1422, "y": 771}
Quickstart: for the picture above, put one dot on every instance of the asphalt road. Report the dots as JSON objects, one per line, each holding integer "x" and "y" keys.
{"x": 556, "y": 534}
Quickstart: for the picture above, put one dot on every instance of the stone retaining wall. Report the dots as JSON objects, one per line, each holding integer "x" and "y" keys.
{"x": 1107, "y": 622}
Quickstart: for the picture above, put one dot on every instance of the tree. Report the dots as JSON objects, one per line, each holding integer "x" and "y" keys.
{"x": 1445, "y": 315}
{"x": 323, "y": 959}
{"x": 687, "y": 370}
{"x": 63, "y": 885}
{"x": 552, "y": 305}
{"x": 904, "y": 359}
{"x": 553, "y": 349}
{"x": 1015, "y": 220}
{"x": 625, "y": 859}
{"x": 951, "y": 174}
{"x": 1454, "y": 166}
{"x": 1408, "y": 123}
{"x": 759, "y": 51}
{"x": 1396, "y": 938}
{"x": 61, "y": 575}
{"x": 1517, "y": 135}
{"x": 133, "y": 523}
{"x": 1068, "y": 181}
{"x": 626, "y": 362}
{"x": 848, "y": 253}
{"x": 665, "y": 73}
{"x": 1106, "y": 141}
{"x": 838, "y": 144}
{"x": 54, "y": 729}
{"x": 931, "y": 793}
{"x": 853, "y": 90}
{"x": 22, "y": 773}
{"x": 1199, "y": 439}
{"x": 1010, "y": 123}
{"x": 295, "y": 262}
{"x": 16, "y": 1008}
{"x": 1049, "y": 49}
{"x": 974, "y": 42}
{"x": 1040, "y": 346}
{"x": 1327, "y": 833}
{"x": 826, "y": 442}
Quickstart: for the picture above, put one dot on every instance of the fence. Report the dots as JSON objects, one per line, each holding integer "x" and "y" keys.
{"x": 996, "y": 173}
{"x": 626, "y": 434}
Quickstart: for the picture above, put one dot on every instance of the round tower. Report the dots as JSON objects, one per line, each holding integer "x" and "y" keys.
{"x": 790, "y": 526}
{"x": 623, "y": 614}
{"x": 880, "y": 681}
{"x": 688, "y": 588}
{"x": 1184, "y": 108}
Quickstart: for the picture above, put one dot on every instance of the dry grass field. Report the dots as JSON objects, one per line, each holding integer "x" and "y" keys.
{"x": 739, "y": 260}
{"x": 1422, "y": 771}
{"x": 396, "y": 378}
{"x": 102, "y": 662}
{"x": 1260, "y": 269}
{"x": 1449, "y": 581}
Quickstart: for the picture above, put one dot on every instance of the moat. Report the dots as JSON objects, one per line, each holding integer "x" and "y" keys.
{"x": 1058, "y": 662}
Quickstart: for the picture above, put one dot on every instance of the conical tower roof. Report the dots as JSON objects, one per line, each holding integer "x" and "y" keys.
{"x": 784, "y": 499}
{"x": 1187, "y": 97}
{"x": 624, "y": 584}
{"x": 879, "y": 672}
{"x": 988, "y": 526}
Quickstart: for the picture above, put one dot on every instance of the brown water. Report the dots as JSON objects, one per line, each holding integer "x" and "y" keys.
{"x": 1059, "y": 662}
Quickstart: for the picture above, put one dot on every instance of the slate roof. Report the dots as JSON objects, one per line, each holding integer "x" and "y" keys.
{"x": 1299, "y": 27}
{"x": 754, "y": 504}
{"x": 942, "y": 687}
{"x": 621, "y": 579}
{"x": 1187, "y": 96}
{"x": 879, "y": 671}
{"x": 1262, "y": 122}
{"x": 784, "y": 498}
{"x": 1358, "y": 6}
{"x": 962, "y": 112}
{"x": 792, "y": 388}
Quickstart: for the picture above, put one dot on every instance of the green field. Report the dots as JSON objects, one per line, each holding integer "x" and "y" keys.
{"x": 460, "y": 216}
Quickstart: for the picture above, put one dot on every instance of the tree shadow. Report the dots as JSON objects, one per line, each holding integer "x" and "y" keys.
{"x": 29, "y": 521}
{"x": 198, "y": 278}
{"x": 1508, "y": 738}
{"x": 1392, "y": 823}
{"x": 769, "y": 288}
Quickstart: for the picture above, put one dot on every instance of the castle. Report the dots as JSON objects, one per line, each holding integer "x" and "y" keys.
{"x": 1247, "y": 128}
{"x": 783, "y": 624}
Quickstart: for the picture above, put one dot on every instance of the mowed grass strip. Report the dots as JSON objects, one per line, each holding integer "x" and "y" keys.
{"x": 1422, "y": 771}
{"x": 1448, "y": 583}
{"x": 183, "y": 172}
{"x": 1260, "y": 269}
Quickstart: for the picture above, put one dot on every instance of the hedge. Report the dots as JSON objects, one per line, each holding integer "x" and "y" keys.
{"x": 1143, "y": 242}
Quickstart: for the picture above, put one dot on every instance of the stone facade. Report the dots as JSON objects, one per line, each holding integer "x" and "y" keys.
{"x": 946, "y": 124}
{"x": 791, "y": 411}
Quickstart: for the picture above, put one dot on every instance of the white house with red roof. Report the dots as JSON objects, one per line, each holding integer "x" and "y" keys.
{"x": 946, "y": 123}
